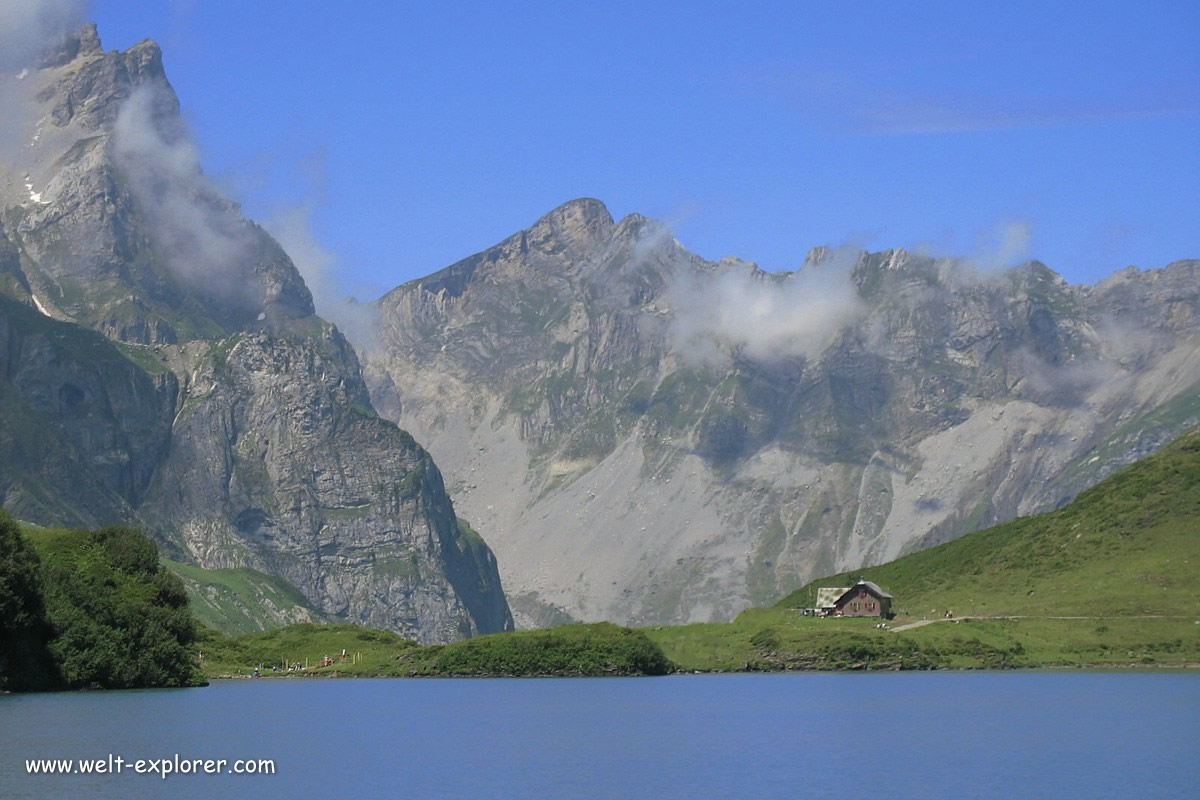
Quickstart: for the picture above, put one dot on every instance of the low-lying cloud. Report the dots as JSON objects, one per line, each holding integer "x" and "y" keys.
{"x": 1064, "y": 385}
{"x": 763, "y": 316}
{"x": 1006, "y": 246}
{"x": 27, "y": 29}
{"x": 991, "y": 254}
{"x": 292, "y": 228}
{"x": 201, "y": 234}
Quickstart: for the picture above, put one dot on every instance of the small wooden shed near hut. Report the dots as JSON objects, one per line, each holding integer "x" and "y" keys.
{"x": 827, "y": 599}
{"x": 863, "y": 599}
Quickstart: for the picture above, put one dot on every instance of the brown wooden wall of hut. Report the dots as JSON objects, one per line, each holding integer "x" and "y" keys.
{"x": 860, "y": 602}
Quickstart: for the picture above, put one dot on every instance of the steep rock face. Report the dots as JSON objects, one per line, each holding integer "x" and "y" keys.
{"x": 278, "y": 462}
{"x": 650, "y": 437}
{"x": 84, "y": 427}
{"x": 225, "y": 417}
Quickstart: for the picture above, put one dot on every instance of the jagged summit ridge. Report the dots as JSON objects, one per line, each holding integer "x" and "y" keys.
{"x": 652, "y": 437}
{"x": 85, "y": 41}
{"x": 89, "y": 84}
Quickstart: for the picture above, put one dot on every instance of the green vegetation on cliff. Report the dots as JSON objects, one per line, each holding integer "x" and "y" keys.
{"x": 241, "y": 600}
{"x": 25, "y": 662}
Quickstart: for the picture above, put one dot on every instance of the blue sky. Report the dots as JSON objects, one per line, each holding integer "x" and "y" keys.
{"x": 416, "y": 134}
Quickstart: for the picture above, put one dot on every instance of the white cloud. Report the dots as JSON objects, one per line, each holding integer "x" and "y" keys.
{"x": 1006, "y": 245}
{"x": 200, "y": 233}
{"x": 292, "y": 228}
{"x": 28, "y": 26}
{"x": 949, "y": 114}
{"x": 27, "y": 29}
{"x": 765, "y": 317}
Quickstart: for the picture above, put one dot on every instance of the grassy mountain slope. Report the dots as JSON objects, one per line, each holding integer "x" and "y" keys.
{"x": 1128, "y": 546}
{"x": 1108, "y": 580}
{"x": 243, "y": 600}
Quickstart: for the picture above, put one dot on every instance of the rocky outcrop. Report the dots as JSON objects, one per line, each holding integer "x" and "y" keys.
{"x": 162, "y": 365}
{"x": 278, "y": 462}
{"x": 649, "y": 437}
{"x": 83, "y": 427}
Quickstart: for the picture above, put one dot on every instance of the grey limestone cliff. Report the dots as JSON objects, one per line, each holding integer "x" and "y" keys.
{"x": 651, "y": 437}
{"x": 162, "y": 365}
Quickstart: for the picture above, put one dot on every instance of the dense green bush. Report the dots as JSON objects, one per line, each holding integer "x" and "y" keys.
{"x": 599, "y": 649}
{"x": 91, "y": 609}
{"x": 24, "y": 660}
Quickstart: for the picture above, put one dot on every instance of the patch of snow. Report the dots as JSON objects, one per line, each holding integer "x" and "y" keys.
{"x": 35, "y": 196}
{"x": 23, "y": 74}
{"x": 39, "y": 305}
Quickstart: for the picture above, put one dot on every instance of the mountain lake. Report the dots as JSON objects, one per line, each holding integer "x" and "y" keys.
{"x": 807, "y": 735}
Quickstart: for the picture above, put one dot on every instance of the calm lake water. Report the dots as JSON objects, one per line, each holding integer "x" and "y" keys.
{"x": 894, "y": 735}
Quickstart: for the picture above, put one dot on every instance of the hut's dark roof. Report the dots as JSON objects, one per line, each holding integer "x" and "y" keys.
{"x": 875, "y": 590}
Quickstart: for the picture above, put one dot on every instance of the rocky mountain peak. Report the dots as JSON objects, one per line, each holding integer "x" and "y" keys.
{"x": 1037, "y": 270}
{"x": 649, "y": 436}
{"x": 145, "y": 59}
{"x": 632, "y": 225}
{"x": 587, "y": 212}
{"x": 817, "y": 254}
{"x": 225, "y": 418}
{"x": 84, "y": 85}
{"x": 895, "y": 259}
{"x": 120, "y": 228}
{"x": 1126, "y": 275}
{"x": 576, "y": 225}
{"x": 82, "y": 42}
